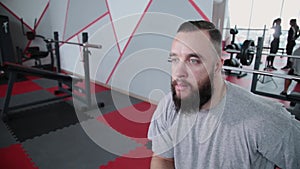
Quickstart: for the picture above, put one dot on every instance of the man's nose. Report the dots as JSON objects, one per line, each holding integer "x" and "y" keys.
{"x": 180, "y": 70}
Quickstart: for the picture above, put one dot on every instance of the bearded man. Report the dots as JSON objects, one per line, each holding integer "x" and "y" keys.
{"x": 209, "y": 123}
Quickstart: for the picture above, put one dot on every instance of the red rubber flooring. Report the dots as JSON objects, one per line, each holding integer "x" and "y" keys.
{"x": 54, "y": 136}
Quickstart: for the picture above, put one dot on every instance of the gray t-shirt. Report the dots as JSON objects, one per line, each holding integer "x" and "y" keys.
{"x": 244, "y": 131}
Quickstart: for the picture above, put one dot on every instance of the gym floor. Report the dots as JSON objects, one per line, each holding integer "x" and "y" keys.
{"x": 55, "y": 135}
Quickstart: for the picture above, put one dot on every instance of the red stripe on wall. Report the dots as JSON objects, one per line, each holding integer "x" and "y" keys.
{"x": 199, "y": 10}
{"x": 90, "y": 24}
{"x": 138, "y": 24}
{"x": 15, "y": 15}
{"x": 37, "y": 24}
{"x": 42, "y": 15}
{"x": 66, "y": 19}
{"x": 28, "y": 26}
{"x": 125, "y": 47}
{"x": 114, "y": 30}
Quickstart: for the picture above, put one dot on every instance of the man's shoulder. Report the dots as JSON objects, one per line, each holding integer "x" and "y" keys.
{"x": 242, "y": 97}
{"x": 238, "y": 94}
{"x": 250, "y": 107}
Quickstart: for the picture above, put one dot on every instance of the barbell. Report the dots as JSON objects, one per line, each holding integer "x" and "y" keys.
{"x": 85, "y": 44}
{"x": 284, "y": 76}
{"x": 269, "y": 54}
{"x": 256, "y": 71}
{"x": 245, "y": 54}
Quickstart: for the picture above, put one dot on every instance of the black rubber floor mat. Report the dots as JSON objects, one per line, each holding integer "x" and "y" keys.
{"x": 4, "y": 78}
{"x": 41, "y": 120}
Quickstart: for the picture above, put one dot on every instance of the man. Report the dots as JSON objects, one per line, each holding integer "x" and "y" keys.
{"x": 295, "y": 70}
{"x": 206, "y": 122}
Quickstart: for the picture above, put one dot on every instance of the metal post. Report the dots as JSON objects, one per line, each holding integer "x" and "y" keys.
{"x": 264, "y": 31}
{"x": 250, "y": 19}
{"x": 86, "y": 69}
{"x": 57, "y": 54}
{"x": 50, "y": 50}
{"x": 11, "y": 81}
{"x": 281, "y": 9}
{"x": 259, "y": 49}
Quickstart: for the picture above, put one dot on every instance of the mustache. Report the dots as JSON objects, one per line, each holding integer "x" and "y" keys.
{"x": 181, "y": 81}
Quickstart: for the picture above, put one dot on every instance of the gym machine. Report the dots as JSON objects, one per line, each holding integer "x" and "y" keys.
{"x": 13, "y": 69}
{"x": 244, "y": 50}
{"x": 34, "y": 52}
{"x": 293, "y": 97}
{"x": 7, "y": 53}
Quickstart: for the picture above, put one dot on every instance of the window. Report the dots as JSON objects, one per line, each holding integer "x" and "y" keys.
{"x": 252, "y": 16}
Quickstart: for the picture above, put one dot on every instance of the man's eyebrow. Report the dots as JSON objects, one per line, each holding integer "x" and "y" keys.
{"x": 196, "y": 55}
{"x": 172, "y": 54}
{"x": 190, "y": 55}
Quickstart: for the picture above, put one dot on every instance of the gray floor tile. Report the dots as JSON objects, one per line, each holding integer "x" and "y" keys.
{"x": 46, "y": 83}
{"x": 6, "y": 138}
{"x": 78, "y": 147}
{"x": 112, "y": 101}
{"x": 28, "y": 97}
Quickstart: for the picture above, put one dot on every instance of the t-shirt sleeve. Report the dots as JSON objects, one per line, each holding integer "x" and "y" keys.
{"x": 159, "y": 133}
{"x": 280, "y": 143}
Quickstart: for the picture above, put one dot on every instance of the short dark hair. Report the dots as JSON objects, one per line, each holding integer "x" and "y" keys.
{"x": 214, "y": 34}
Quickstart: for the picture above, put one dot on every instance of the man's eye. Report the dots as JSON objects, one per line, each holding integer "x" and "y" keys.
{"x": 173, "y": 60}
{"x": 194, "y": 61}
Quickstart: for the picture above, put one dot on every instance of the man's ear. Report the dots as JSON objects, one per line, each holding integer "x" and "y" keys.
{"x": 219, "y": 64}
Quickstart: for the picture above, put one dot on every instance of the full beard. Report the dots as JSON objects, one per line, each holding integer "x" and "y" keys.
{"x": 197, "y": 98}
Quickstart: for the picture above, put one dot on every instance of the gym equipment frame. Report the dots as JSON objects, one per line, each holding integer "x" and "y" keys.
{"x": 14, "y": 69}
{"x": 293, "y": 97}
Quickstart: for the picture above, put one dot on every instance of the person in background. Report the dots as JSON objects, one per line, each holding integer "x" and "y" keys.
{"x": 207, "y": 122}
{"x": 293, "y": 34}
{"x": 275, "y": 43}
{"x": 295, "y": 70}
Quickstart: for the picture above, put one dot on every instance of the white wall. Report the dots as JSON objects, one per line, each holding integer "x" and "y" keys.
{"x": 136, "y": 37}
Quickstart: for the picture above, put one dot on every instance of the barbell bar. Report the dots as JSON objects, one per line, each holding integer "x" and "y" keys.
{"x": 269, "y": 54}
{"x": 247, "y": 29}
{"x": 284, "y": 76}
{"x": 88, "y": 45}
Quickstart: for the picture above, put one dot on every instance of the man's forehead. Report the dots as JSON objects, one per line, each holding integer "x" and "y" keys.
{"x": 192, "y": 43}
{"x": 194, "y": 40}
{"x": 197, "y": 35}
